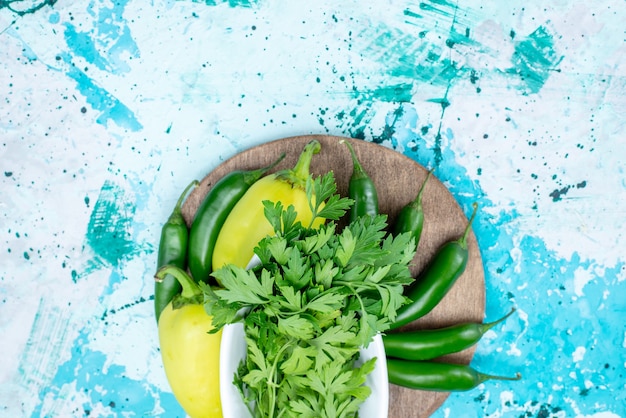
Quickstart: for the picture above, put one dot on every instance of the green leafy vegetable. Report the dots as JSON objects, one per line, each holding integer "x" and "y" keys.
{"x": 316, "y": 298}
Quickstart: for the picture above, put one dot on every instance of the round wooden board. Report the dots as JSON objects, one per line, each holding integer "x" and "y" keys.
{"x": 398, "y": 179}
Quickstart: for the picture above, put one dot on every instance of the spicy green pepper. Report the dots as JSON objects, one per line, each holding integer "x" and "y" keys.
{"x": 361, "y": 189}
{"x": 429, "y": 344}
{"x": 172, "y": 251}
{"x": 411, "y": 216}
{"x": 436, "y": 280}
{"x": 445, "y": 377}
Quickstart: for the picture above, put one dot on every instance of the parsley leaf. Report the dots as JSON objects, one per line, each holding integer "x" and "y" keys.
{"x": 323, "y": 200}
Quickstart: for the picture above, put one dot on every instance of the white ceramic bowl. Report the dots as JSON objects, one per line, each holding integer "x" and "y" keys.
{"x": 233, "y": 350}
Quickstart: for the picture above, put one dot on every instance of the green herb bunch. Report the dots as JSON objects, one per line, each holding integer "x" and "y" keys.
{"x": 316, "y": 298}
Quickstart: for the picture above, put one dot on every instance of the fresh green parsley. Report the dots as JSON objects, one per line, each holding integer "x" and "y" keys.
{"x": 316, "y": 298}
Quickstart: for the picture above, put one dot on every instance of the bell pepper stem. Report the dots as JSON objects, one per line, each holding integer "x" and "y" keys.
{"x": 300, "y": 172}
{"x": 190, "y": 288}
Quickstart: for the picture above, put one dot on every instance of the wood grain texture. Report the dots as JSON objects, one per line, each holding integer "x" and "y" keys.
{"x": 398, "y": 179}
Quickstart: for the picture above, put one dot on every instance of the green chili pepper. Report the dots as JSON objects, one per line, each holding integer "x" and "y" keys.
{"x": 361, "y": 189}
{"x": 430, "y": 344}
{"x": 443, "y": 377}
{"x": 172, "y": 251}
{"x": 212, "y": 213}
{"x": 411, "y": 217}
{"x": 436, "y": 280}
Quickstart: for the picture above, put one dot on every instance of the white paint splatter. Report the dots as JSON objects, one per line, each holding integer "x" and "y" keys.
{"x": 506, "y": 398}
{"x": 514, "y": 351}
{"x": 581, "y": 278}
{"x": 579, "y": 354}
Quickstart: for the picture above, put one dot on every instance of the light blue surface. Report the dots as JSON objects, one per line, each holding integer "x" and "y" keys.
{"x": 109, "y": 109}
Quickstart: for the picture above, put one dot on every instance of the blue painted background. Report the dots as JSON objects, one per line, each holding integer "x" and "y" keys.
{"x": 110, "y": 108}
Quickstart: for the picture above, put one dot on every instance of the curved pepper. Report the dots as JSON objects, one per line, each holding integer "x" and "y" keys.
{"x": 190, "y": 354}
{"x": 442, "y": 377}
{"x": 172, "y": 251}
{"x": 411, "y": 216}
{"x": 246, "y": 224}
{"x": 434, "y": 282}
{"x": 429, "y": 344}
{"x": 361, "y": 188}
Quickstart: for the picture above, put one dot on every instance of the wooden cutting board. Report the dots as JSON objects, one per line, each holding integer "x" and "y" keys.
{"x": 398, "y": 179}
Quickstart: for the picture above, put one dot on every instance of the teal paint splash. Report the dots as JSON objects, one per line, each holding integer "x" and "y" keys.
{"x": 110, "y": 231}
{"x": 393, "y": 93}
{"x": 389, "y": 130}
{"x": 37, "y": 363}
{"x": 535, "y": 59}
{"x": 439, "y": 7}
{"x": 113, "y": 35}
{"x": 409, "y": 57}
{"x": 559, "y": 319}
{"x": 410, "y": 54}
{"x": 106, "y": 46}
{"x": 403, "y": 121}
{"x": 357, "y": 119}
{"x": 411, "y": 14}
{"x": 106, "y": 387}
{"x": 231, "y": 3}
{"x": 22, "y": 8}
{"x": 111, "y": 235}
{"x": 110, "y": 107}
{"x": 82, "y": 44}
{"x": 54, "y": 18}
{"x": 409, "y": 62}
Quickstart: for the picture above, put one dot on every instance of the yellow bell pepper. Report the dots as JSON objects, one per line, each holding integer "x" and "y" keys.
{"x": 246, "y": 224}
{"x": 190, "y": 354}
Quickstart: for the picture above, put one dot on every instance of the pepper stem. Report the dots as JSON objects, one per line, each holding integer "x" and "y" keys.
{"x": 463, "y": 240}
{"x": 487, "y": 326}
{"x": 418, "y": 198}
{"x": 176, "y": 217}
{"x": 254, "y": 175}
{"x": 190, "y": 288}
{"x": 357, "y": 172}
{"x": 300, "y": 172}
{"x": 483, "y": 377}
